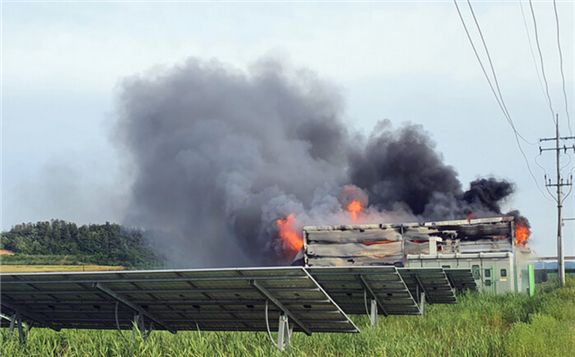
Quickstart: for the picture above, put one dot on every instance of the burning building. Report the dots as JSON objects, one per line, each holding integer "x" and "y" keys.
{"x": 227, "y": 166}
{"x": 493, "y": 248}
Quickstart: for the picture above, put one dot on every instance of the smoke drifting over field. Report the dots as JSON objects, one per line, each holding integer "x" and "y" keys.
{"x": 219, "y": 155}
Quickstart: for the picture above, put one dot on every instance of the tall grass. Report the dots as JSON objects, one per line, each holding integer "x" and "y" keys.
{"x": 55, "y": 268}
{"x": 480, "y": 325}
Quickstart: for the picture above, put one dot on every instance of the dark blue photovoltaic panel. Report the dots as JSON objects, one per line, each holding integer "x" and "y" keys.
{"x": 206, "y": 299}
{"x": 461, "y": 279}
{"x": 432, "y": 281}
{"x": 352, "y": 286}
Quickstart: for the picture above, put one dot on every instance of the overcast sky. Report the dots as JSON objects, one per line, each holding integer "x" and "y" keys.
{"x": 63, "y": 62}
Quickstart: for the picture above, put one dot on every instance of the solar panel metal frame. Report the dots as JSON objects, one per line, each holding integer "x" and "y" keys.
{"x": 352, "y": 286}
{"x": 431, "y": 281}
{"x": 461, "y": 279}
{"x": 175, "y": 300}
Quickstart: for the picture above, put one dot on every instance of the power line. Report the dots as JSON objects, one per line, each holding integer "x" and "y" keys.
{"x": 499, "y": 100}
{"x": 542, "y": 65}
{"x": 568, "y": 163}
{"x": 491, "y": 65}
{"x": 544, "y": 175}
{"x": 532, "y": 53}
{"x": 539, "y": 77}
{"x": 561, "y": 66}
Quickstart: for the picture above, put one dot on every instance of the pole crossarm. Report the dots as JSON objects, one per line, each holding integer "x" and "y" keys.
{"x": 560, "y": 138}
{"x": 133, "y": 306}
{"x": 32, "y": 316}
{"x": 368, "y": 288}
{"x": 256, "y": 284}
{"x": 564, "y": 148}
{"x": 555, "y": 258}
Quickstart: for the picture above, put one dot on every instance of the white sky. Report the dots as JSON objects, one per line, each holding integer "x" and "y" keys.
{"x": 406, "y": 61}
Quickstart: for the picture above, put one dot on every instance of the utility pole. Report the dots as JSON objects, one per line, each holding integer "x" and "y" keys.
{"x": 559, "y": 184}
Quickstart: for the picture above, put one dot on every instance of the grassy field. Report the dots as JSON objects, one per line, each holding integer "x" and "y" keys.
{"x": 480, "y": 325}
{"x": 54, "y": 268}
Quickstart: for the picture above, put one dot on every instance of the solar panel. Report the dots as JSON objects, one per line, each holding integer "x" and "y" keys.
{"x": 353, "y": 286}
{"x": 461, "y": 279}
{"x": 174, "y": 300}
{"x": 431, "y": 281}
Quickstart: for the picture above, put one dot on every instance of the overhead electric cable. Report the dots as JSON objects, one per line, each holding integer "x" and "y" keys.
{"x": 561, "y": 66}
{"x": 567, "y": 194}
{"x": 547, "y": 188}
{"x": 541, "y": 60}
{"x": 490, "y": 64}
{"x": 544, "y": 175}
{"x": 532, "y": 53}
{"x": 499, "y": 100}
{"x": 568, "y": 163}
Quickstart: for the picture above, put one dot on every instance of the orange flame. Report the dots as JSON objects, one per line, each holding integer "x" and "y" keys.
{"x": 354, "y": 208}
{"x": 290, "y": 236}
{"x": 378, "y": 242}
{"x": 522, "y": 233}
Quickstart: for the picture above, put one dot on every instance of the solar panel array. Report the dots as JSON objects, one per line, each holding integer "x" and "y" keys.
{"x": 352, "y": 287}
{"x": 222, "y": 299}
{"x": 312, "y": 299}
{"x": 461, "y": 279}
{"x": 431, "y": 281}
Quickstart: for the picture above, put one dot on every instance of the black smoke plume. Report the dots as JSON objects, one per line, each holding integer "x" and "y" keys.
{"x": 486, "y": 194}
{"x": 402, "y": 167}
{"x": 218, "y": 155}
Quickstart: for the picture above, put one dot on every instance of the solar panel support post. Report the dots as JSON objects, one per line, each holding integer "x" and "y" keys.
{"x": 139, "y": 325}
{"x": 422, "y": 304}
{"x": 16, "y": 322}
{"x": 12, "y": 322}
{"x": 30, "y": 316}
{"x": 422, "y": 297}
{"x": 373, "y": 316}
{"x": 135, "y": 307}
{"x": 284, "y": 332}
{"x": 265, "y": 292}
{"x": 366, "y": 286}
{"x": 451, "y": 282}
{"x": 420, "y": 284}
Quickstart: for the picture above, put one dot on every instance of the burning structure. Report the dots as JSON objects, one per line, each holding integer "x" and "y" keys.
{"x": 227, "y": 167}
{"x": 494, "y": 248}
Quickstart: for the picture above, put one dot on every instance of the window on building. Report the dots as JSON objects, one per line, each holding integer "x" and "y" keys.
{"x": 487, "y": 282}
{"x": 476, "y": 272}
{"x": 446, "y": 266}
{"x": 503, "y": 273}
{"x": 488, "y": 273}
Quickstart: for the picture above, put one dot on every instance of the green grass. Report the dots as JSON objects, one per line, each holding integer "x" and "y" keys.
{"x": 480, "y": 325}
{"x": 22, "y": 259}
{"x": 7, "y": 261}
{"x": 8, "y": 269}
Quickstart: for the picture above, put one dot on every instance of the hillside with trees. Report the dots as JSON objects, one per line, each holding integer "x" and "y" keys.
{"x": 61, "y": 242}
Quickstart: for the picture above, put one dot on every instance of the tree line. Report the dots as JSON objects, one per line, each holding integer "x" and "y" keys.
{"x": 102, "y": 244}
